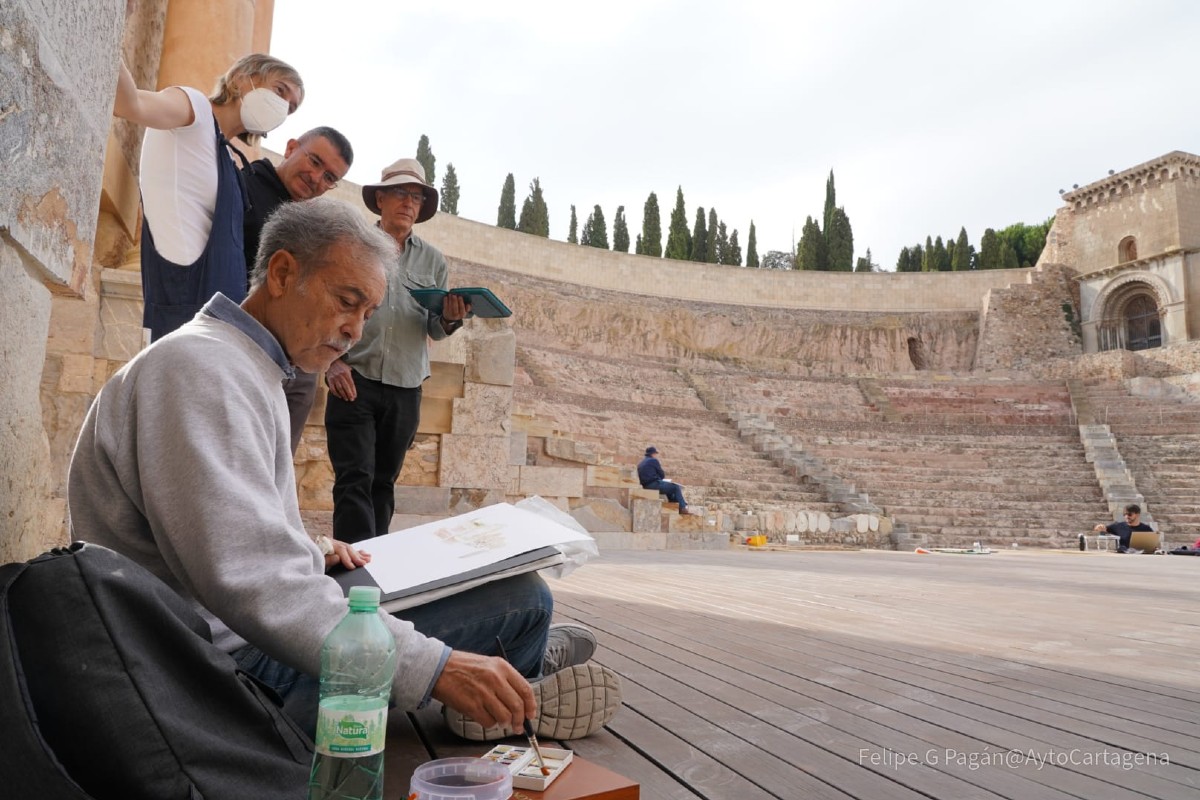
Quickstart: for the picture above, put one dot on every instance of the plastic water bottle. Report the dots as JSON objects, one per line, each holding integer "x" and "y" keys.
{"x": 358, "y": 661}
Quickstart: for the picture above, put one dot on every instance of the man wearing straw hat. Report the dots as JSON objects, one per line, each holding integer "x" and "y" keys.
{"x": 375, "y": 389}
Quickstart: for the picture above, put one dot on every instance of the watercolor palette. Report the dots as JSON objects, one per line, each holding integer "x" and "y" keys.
{"x": 522, "y": 763}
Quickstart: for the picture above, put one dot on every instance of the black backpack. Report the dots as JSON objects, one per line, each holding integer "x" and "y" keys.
{"x": 110, "y": 687}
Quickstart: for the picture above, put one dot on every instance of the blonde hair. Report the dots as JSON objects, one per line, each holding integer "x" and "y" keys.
{"x": 260, "y": 68}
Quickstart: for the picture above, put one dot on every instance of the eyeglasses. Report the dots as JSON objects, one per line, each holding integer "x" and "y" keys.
{"x": 328, "y": 178}
{"x": 415, "y": 196}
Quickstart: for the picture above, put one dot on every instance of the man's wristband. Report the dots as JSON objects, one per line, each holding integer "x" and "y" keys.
{"x": 451, "y": 325}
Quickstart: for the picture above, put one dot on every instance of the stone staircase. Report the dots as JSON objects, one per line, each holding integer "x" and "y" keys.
{"x": 616, "y": 407}
{"x": 1159, "y": 439}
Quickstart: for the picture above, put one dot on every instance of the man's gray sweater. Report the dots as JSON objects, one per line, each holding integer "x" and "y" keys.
{"x": 184, "y": 465}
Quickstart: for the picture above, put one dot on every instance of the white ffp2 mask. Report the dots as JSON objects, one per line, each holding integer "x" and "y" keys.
{"x": 263, "y": 111}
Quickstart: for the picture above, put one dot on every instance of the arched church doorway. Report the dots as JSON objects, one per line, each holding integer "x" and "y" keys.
{"x": 1132, "y": 319}
{"x": 1142, "y": 324}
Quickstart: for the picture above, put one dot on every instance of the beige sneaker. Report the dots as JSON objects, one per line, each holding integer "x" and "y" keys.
{"x": 572, "y": 703}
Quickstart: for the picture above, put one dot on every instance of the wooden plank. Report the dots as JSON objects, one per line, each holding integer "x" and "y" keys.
{"x": 847, "y": 750}
{"x": 925, "y": 675}
{"x": 849, "y": 693}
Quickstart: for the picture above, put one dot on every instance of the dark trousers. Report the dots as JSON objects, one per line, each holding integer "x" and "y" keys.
{"x": 673, "y": 491}
{"x": 367, "y": 440}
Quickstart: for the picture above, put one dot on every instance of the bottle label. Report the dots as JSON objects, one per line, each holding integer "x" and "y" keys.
{"x": 351, "y": 726}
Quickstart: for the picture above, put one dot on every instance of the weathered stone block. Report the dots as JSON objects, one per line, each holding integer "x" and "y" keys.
{"x": 609, "y": 476}
{"x": 474, "y": 462}
{"x": 422, "y": 499}
{"x": 491, "y": 353}
{"x": 77, "y": 374}
{"x": 464, "y": 500}
{"x": 483, "y": 410}
{"x": 452, "y": 349}
{"x": 552, "y": 481}
{"x": 603, "y": 515}
{"x": 646, "y": 515}
{"x": 518, "y": 442}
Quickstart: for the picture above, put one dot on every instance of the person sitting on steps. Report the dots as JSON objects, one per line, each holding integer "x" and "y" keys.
{"x": 651, "y": 476}
{"x": 1124, "y": 530}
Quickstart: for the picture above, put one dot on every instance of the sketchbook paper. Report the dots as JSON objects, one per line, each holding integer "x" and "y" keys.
{"x": 448, "y": 547}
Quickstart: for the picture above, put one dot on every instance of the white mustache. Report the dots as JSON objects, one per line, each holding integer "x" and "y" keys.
{"x": 341, "y": 345}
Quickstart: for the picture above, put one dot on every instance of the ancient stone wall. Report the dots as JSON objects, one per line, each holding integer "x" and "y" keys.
{"x": 789, "y": 341}
{"x": 58, "y": 65}
{"x": 1178, "y": 362}
{"x": 1027, "y": 323}
{"x": 535, "y": 256}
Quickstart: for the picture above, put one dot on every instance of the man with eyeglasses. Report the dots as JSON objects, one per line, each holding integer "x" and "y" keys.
{"x": 1125, "y": 529}
{"x": 311, "y": 166}
{"x": 374, "y": 403}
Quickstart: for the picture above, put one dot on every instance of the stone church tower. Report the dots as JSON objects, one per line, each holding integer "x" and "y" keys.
{"x": 1134, "y": 240}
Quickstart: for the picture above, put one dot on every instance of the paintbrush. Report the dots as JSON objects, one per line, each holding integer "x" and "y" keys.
{"x": 529, "y": 734}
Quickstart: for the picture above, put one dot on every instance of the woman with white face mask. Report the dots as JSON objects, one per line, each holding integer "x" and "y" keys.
{"x": 192, "y": 198}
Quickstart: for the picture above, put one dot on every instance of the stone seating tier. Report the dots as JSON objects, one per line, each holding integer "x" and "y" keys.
{"x": 649, "y": 382}
{"x": 790, "y": 397}
{"x": 719, "y": 470}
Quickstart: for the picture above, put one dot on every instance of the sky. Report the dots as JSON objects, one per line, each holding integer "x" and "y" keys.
{"x": 932, "y": 116}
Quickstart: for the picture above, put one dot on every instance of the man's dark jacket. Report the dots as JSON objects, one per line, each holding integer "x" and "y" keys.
{"x": 267, "y": 193}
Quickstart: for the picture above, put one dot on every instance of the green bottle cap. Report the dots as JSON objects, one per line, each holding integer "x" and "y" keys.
{"x": 364, "y": 598}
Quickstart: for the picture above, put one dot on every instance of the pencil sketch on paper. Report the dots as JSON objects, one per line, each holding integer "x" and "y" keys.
{"x": 477, "y": 534}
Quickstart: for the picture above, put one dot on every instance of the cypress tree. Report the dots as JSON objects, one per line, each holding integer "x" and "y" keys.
{"x": 722, "y": 245}
{"x": 585, "y": 238}
{"x": 699, "y": 238}
{"x": 535, "y": 218}
{"x": 811, "y": 253}
{"x": 830, "y": 205}
{"x": 620, "y": 232}
{"x": 989, "y": 250}
{"x": 506, "y": 217}
{"x": 679, "y": 243}
{"x": 449, "y": 193}
{"x": 651, "y": 236}
{"x": 839, "y": 240}
{"x": 425, "y": 156}
{"x": 595, "y": 231}
{"x": 712, "y": 250}
{"x": 927, "y": 264}
{"x": 918, "y": 256}
{"x": 864, "y": 263}
{"x": 752, "y": 248}
{"x": 637, "y": 248}
{"x": 573, "y": 231}
{"x": 940, "y": 259}
{"x": 734, "y": 254}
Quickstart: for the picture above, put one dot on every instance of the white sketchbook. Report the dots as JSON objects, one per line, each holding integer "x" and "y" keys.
{"x": 421, "y": 564}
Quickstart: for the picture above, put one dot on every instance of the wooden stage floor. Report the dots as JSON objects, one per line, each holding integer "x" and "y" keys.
{"x": 880, "y": 675}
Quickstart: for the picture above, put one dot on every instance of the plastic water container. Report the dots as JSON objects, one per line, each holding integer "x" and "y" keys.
{"x": 461, "y": 779}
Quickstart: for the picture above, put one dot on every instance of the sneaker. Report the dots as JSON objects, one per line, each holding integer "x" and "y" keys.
{"x": 572, "y": 703}
{"x": 567, "y": 645}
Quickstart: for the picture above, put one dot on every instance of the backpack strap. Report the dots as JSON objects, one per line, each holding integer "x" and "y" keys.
{"x": 26, "y": 761}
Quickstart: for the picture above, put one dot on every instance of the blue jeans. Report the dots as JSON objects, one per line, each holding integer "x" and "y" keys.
{"x": 515, "y": 611}
{"x": 673, "y": 491}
